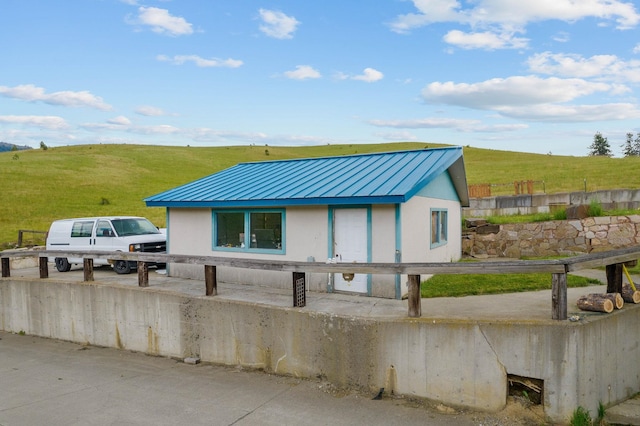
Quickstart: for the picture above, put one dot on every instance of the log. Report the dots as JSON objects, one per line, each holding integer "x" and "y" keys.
{"x": 595, "y": 304}
{"x": 630, "y": 295}
{"x": 616, "y": 298}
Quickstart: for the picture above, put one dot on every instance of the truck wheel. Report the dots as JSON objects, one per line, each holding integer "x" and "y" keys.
{"x": 121, "y": 267}
{"x": 62, "y": 264}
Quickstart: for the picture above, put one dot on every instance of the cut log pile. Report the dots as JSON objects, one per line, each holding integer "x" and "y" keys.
{"x": 607, "y": 302}
{"x": 596, "y": 302}
{"x": 629, "y": 294}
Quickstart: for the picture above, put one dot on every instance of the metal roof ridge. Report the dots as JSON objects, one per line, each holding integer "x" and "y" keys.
{"x": 363, "y": 154}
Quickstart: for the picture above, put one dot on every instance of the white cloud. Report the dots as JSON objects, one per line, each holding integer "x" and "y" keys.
{"x": 460, "y": 125}
{"x": 608, "y": 67}
{"x": 503, "y": 17}
{"x": 201, "y": 62}
{"x": 573, "y": 113}
{"x": 150, "y": 111}
{"x": 31, "y": 93}
{"x": 161, "y": 21}
{"x": 41, "y": 121}
{"x": 369, "y": 75}
{"x": 636, "y": 48}
{"x": 484, "y": 40}
{"x": 517, "y": 90}
{"x": 120, "y": 120}
{"x": 303, "y": 72}
{"x": 277, "y": 24}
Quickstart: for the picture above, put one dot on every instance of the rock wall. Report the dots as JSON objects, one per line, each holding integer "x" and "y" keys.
{"x": 558, "y": 237}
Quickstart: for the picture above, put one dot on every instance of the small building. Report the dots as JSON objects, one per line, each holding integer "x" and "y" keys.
{"x": 403, "y": 206}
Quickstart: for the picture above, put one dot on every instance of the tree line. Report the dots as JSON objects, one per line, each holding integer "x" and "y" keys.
{"x": 601, "y": 147}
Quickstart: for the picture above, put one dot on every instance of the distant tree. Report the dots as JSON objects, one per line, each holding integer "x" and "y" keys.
{"x": 43, "y": 146}
{"x": 636, "y": 144}
{"x": 14, "y": 148}
{"x": 628, "y": 150}
{"x": 600, "y": 146}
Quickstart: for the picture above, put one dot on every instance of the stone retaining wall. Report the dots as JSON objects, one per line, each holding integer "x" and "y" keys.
{"x": 558, "y": 237}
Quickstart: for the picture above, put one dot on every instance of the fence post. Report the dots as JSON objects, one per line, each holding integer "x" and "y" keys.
{"x": 210, "y": 280}
{"x": 6, "y": 269}
{"x": 87, "y": 268}
{"x": 44, "y": 267}
{"x": 415, "y": 302}
{"x": 143, "y": 274}
{"x": 614, "y": 278}
{"x": 559, "y": 296}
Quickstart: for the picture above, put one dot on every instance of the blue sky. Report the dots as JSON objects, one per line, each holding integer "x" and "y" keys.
{"x": 540, "y": 77}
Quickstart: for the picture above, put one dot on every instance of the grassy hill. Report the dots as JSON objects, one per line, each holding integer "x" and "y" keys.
{"x": 39, "y": 186}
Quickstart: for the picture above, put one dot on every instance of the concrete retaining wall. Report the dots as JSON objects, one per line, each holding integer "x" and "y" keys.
{"x": 553, "y": 238}
{"x": 544, "y": 203}
{"x": 459, "y": 363}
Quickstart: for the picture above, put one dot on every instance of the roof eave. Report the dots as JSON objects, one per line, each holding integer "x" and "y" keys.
{"x": 388, "y": 199}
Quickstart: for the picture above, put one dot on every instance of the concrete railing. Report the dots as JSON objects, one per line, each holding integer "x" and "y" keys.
{"x": 611, "y": 260}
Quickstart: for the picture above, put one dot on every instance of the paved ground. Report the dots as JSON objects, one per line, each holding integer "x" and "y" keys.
{"x": 48, "y": 382}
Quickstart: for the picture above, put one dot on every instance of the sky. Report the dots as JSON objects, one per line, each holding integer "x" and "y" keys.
{"x": 532, "y": 76}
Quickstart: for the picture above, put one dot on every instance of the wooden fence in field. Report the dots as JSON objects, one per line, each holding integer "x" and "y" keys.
{"x": 558, "y": 269}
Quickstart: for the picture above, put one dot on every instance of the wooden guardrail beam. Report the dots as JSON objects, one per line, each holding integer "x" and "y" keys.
{"x": 558, "y": 268}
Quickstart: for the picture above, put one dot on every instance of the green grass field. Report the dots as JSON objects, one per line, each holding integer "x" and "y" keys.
{"x": 39, "y": 186}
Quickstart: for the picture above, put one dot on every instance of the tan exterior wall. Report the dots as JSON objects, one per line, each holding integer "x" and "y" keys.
{"x": 190, "y": 232}
{"x": 416, "y": 231}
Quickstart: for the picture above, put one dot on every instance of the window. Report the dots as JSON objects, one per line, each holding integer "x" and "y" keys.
{"x": 438, "y": 227}
{"x": 104, "y": 229}
{"x": 82, "y": 229}
{"x": 259, "y": 230}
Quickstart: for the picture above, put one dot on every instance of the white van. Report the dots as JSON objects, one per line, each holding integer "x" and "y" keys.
{"x": 125, "y": 233}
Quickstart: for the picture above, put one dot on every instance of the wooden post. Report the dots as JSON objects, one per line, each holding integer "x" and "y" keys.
{"x": 143, "y": 274}
{"x": 559, "y": 296}
{"x": 6, "y": 269}
{"x": 210, "y": 280}
{"x": 614, "y": 278}
{"x": 87, "y": 267}
{"x": 415, "y": 301}
{"x": 44, "y": 267}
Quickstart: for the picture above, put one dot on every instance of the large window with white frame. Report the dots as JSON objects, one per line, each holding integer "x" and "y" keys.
{"x": 438, "y": 227}
{"x": 249, "y": 230}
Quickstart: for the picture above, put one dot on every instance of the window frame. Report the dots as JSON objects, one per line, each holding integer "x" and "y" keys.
{"x": 247, "y": 235}
{"x": 441, "y": 236}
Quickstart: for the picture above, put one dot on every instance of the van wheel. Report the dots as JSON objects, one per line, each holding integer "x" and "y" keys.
{"x": 122, "y": 267}
{"x": 62, "y": 264}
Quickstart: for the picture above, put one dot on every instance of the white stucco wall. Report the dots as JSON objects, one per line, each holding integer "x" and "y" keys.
{"x": 416, "y": 231}
{"x": 307, "y": 238}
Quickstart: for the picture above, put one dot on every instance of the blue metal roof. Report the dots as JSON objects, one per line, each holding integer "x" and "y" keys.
{"x": 376, "y": 178}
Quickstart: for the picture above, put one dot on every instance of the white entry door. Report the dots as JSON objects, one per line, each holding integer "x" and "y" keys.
{"x": 350, "y": 245}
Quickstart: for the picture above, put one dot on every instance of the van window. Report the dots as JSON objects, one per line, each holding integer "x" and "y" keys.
{"x": 104, "y": 229}
{"x": 82, "y": 228}
{"x": 134, "y": 226}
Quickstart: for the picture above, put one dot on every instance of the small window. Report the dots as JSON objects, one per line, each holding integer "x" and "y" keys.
{"x": 438, "y": 227}
{"x": 229, "y": 229}
{"x": 104, "y": 229}
{"x": 82, "y": 229}
{"x": 254, "y": 230}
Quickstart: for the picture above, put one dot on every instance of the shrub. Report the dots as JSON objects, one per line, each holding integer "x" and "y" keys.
{"x": 560, "y": 215}
{"x": 595, "y": 209}
{"x": 580, "y": 417}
